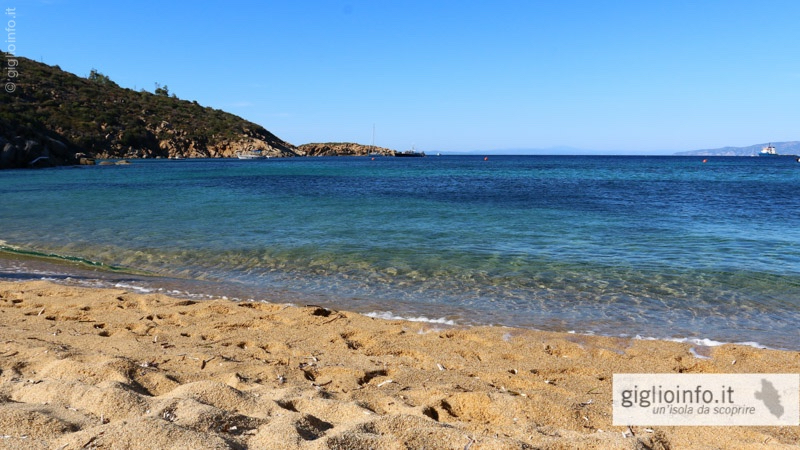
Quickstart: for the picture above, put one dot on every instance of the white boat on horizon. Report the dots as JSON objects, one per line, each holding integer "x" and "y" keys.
{"x": 769, "y": 150}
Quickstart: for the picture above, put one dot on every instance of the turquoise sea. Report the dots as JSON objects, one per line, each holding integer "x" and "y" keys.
{"x": 657, "y": 247}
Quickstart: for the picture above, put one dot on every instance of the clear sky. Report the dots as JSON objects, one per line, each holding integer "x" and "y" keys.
{"x": 634, "y": 76}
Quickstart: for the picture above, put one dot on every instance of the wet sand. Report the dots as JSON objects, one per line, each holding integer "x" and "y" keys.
{"x": 109, "y": 368}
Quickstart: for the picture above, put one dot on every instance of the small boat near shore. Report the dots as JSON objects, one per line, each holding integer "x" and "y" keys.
{"x": 409, "y": 154}
{"x": 251, "y": 154}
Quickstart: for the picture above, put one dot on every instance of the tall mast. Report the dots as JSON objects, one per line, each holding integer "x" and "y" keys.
{"x": 372, "y": 149}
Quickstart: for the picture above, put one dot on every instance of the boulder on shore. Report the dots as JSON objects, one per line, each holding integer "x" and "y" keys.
{"x": 22, "y": 147}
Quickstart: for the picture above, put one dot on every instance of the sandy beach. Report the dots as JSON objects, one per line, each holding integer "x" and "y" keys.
{"x": 110, "y": 368}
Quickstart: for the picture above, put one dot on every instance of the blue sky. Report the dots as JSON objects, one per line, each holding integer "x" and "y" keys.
{"x": 612, "y": 76}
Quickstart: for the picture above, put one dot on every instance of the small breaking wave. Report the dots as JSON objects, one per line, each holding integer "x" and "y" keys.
{"x": 702, "y": 342}
{"x": 387, "y": 315}
{"x": 5, "y": 247}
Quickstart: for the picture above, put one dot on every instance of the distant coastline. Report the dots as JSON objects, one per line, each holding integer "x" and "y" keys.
{"x": 790, "y": 148}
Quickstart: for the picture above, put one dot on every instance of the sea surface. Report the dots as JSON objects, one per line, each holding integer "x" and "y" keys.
{"x": 656, "y": 247}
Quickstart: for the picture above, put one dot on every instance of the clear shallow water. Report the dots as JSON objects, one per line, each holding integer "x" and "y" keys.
{"x": 665, "y": 247}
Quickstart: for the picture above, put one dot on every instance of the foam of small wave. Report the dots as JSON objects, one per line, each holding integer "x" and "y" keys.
{"x": 705, "y": 342}
{"x": 141, "y": 289}
{"x": 694, "y": 353}
{"x": 387, "y": 315}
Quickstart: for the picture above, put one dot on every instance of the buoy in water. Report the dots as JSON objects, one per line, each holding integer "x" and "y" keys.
{"x": 485, "y": 158}
{"x": 705, "y": 161}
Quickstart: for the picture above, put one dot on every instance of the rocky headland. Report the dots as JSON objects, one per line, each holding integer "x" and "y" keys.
{"x": 53, "y": 117}
{"x": 343, "y": 149}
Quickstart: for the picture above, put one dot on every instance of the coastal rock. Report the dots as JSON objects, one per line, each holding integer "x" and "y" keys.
{"x": 342, "y": 149}
{"x": 24, "y": 146}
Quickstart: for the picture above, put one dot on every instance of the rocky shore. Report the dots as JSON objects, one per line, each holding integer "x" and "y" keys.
{"x": 25, "y": 147}
{"x": 343, "y": 149}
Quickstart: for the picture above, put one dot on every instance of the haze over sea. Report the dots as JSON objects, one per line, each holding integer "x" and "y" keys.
{"x": 662, "y": 247}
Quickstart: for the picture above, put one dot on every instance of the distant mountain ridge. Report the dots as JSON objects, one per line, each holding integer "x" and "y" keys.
{"x": 783, "y": 148}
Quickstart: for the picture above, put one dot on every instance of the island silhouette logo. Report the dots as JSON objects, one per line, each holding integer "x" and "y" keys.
{"x": 771, "y": 398}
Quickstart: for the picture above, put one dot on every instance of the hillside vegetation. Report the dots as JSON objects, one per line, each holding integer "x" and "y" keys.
{"x": 57, "y": 114}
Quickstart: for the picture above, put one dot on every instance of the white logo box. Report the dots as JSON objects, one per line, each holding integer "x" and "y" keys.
{"x": 671, "y": 399}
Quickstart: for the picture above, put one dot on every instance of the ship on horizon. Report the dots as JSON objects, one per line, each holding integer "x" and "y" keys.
{"x": 769, "y": 150}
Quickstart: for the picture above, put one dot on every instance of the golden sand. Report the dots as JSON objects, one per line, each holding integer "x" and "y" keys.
{"x": 107, "y": 368}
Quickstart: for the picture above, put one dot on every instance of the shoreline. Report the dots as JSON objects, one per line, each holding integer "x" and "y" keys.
{"x": 88, "y": 366}
{"x": 73, "y": 271}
